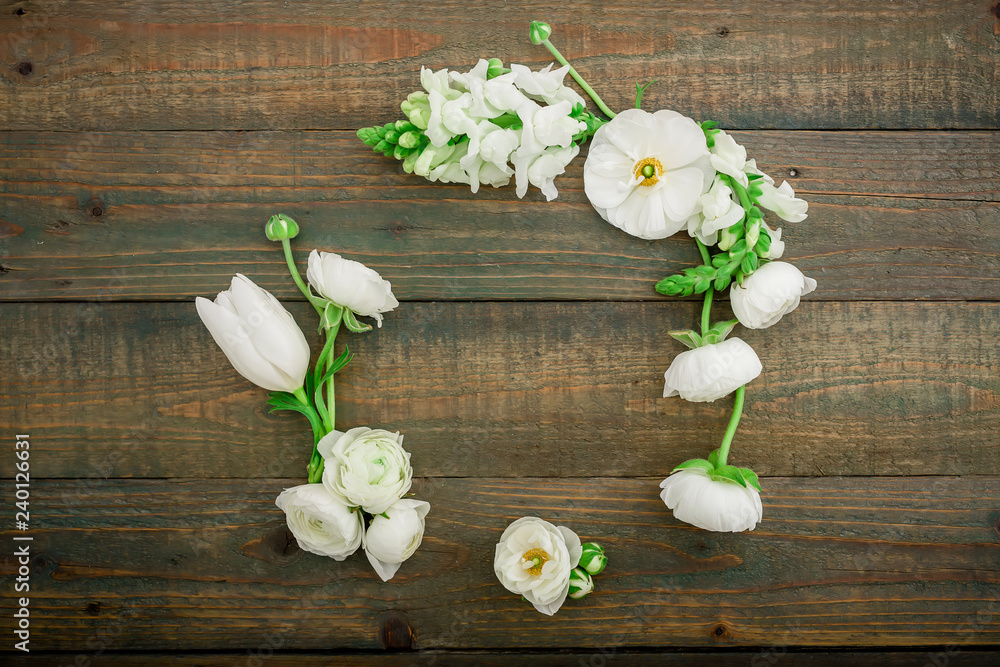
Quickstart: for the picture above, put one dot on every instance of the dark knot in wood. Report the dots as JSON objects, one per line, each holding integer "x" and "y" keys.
{"x": 396, "y": 634}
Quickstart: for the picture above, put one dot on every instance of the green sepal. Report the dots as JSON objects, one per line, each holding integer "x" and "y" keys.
{"x": 331, "y": 316}
{"x": 728, "y": 473}
{"x": 695, "y": 463}
{"x": 754, "y": 212}
{"x": 763, "y": 243}
{"x": 751, "y": 478}
{"x": 690, "y": 338}
{"x": 351, "y": 320}
{"x": 718, "y": 332}
{"x": 755, "y": 191}
{"x": 713, "y": 458}
{"x": 754, "y": 177}
{"x": 384, "y": 514}
{"x": 495, "y": 68}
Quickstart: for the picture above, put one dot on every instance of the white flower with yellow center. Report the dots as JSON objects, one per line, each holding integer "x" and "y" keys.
{"x": 535, "y": 559}
{"x": 646, "y": 171}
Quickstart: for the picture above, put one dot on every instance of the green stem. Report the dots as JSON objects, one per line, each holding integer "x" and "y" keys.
{"x": 331, "y": 395}
{"x": 300, "y": 394}
{"x": 579, "y": 79}
{"x": 741, "y": 192}
{"x": 706, "y": 309}
{"x": 734, "y": 421}
{"x": 317, "y": 303}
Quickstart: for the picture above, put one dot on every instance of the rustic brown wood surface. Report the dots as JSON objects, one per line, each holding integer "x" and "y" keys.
{"x": 144, "y": 145}
{"x": 264, "y": 64}
{"x": 173, "y": 215}
{"x": 553, "y": 389}
{"x": 839, "y": 561}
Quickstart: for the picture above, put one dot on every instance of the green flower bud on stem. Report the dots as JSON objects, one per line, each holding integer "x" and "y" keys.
{"x": 580, "y": 584}
{"x": 593, "y": 560}
{"x": 539, "y": 32}
{"x": 280, "y": 227}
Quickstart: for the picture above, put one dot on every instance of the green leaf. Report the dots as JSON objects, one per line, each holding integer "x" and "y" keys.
{"x": 751, "y": 478}
{"x": 337, "y": 365}
{"x": 729, "y": 473}
{"x": 690, "y": 338}
{"x": 708, "y": 125}
{"x": 695, "y": 463}
{"x": 639, "y": 90}
{"x": 755, "y": 191}
{"x": 754, "y": 177}
{"x": 384, "y": 515}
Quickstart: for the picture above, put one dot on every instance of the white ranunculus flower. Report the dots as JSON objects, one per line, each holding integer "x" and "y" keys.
{"x": 534, "y": 559}
{"x": 366, "y": 467}
{"x": 718, "y": 211}
{"x": 769, "y": 293}
{"x": 388, "y": 542}
{"x": 646, "y": 171}
{"x": 350, "y": 284}
{"x": 697, "y": 499}
{"x": 259, "y": 337}
{"x": 782, "y": 200}
{"x": 730, "y": 158}
{"x": 709, "y": 372}
{"x": 322, "y": 523}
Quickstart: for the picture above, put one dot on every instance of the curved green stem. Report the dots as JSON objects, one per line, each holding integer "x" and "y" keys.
{"x": 734, "y": 421}
{"x": 579, "y": 79}
{"x": 318, "y": 304}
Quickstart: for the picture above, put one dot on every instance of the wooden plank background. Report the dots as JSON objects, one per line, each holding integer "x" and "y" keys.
{"x": 144, "y": 145}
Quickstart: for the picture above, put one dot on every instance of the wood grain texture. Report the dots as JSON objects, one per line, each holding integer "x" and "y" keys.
{"x": 207, "y": 564}
{"x": 263, "y": 64}
{"x": 893, "y": 215}
{"x": 482, "y": 389}
{"x": 764, "y": 657}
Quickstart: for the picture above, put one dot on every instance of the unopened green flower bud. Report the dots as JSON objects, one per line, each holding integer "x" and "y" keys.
{"x": 281, "y": 227}
{"x": 417, "y": 108}
{"x": 580, "y": 584}
{"x": 409, "y": 139}
{"x": 495, "y": 68}
{"x": 753, "y": 233}
{"x": 539, "y": 32}
{"x": 727, "y": 239}
{"x": 593, "y": 559}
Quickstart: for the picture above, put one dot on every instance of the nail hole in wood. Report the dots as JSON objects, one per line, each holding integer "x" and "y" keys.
{"x": 396, "y": 634}
{"x": 93, "y": 608}
{"x": 793, "y": 172}
{"x": 25, "y": 68}
{"x": 19, "y": 11}
{"x": 722, "y": 32}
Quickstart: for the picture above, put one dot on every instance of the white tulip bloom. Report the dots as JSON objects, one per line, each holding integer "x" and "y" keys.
{"x": 709, "y": 372}
{"x": 645, "y": 172}
{"x": 390, "y": 541}
{"x": 724, "y": 507}
{"x": 718, "y": 211}
{"x": 322, "y": 523}
{"x": 259, "y": 337}
{"x": 782, "y": 200}
{"x": 535, "y": 559}
{"x": 350, "y": 284}
{"x": 367, "y": 468}
{"x": 769, "y": 293}
{"x": 730, "y": 158}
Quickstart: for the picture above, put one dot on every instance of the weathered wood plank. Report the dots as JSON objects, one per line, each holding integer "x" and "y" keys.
{"x": 206, "y": 564}
{"x": 172, "y": 215}
{"x": 569, "y": 389}
{"x": 768, "y": 655}
{"x": 99, "y": 64}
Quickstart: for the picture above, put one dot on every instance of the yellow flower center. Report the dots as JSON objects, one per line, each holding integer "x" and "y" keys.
{"x": 649, "y": 170}
{"x": 538, "y": 558}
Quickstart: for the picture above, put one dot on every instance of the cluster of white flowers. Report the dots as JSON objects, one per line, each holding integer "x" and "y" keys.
{"x": 489, "y": 124}
{"x": 366, "y": 473}
{"x": 655, "y": 174}
{"x": 366, "y": 470}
